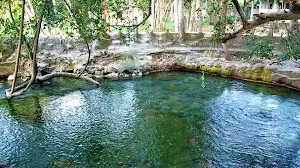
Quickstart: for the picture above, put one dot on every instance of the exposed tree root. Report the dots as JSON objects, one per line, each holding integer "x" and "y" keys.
{"x": 21, "y": 89}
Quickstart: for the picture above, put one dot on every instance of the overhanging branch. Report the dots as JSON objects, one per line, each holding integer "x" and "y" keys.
{"x": 261, "y": 19}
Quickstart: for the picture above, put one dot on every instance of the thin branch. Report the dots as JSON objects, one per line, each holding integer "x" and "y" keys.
{"x": 86, "y": 42}
{"x": 240, "y": 11}
{"x": 135, "y": 26}
{"x": 89, "y": 57}
{"x": 10, "y": 11}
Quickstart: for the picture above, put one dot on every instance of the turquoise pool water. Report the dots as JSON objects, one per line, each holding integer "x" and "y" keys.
{"x": 160, "y": 120}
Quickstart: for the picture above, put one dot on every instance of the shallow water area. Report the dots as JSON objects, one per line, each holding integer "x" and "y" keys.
{"x": 172, "y": 119}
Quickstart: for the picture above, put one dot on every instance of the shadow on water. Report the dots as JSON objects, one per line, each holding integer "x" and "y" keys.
{"x": 160, "y": 120}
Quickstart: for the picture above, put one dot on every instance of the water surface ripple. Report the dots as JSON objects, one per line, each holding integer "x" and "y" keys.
{"x": 161, "y": 120}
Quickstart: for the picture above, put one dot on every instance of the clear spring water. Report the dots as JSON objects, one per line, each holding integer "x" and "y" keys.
{"x": 161, "y": 120}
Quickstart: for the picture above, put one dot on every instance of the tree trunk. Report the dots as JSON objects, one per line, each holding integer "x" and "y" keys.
{"x": 252, "y": 10}
{"x": 199, "y": 15}
{"x": 19, "y": 48}
{"x": 223, "y": 17}
{"x": 161, "y": 14}
{"x": 157, "y": 8}
{"x": 188, "y": 18}
{"x": 176, "y": 20}
{"x": 192, "y": 18}
{"x": 152, "y": 20}
{"x": 35, "y": 47}
{"x": 181, "y": 20}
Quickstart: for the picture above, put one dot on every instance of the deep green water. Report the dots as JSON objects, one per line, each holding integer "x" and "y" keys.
{"x": 161, "y": 120}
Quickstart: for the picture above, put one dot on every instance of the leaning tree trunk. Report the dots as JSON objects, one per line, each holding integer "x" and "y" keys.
{"x": 35, "y": 47}
{"x": 19, "y": 47}
{"x": 34, "y": 62}
{"x": 21, "y": 89}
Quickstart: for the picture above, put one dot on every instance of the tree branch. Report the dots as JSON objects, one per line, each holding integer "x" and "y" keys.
{"x": 88, "y": 61}
{"x": 262, "y": 18}
{"x": 278, "y": 16}
{"x": 240, "y": 11}
{"x": 134, "y": 26}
